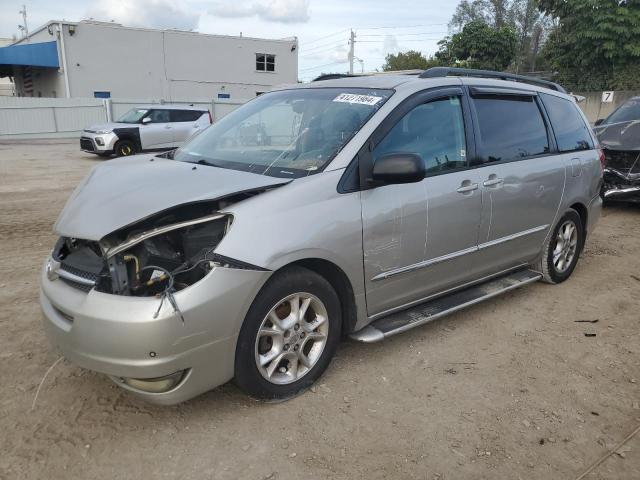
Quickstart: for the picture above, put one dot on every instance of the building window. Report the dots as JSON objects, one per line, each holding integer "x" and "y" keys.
{"x": 265, "y": 62}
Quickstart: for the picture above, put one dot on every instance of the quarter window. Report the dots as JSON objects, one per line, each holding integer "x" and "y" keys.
{"x": 569, "y": 127}
{"x": 511, "y": 128}
{"x": 265, "y": 62}
{"x": 435, "y": 131}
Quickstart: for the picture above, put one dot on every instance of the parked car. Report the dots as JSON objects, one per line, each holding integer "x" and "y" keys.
{"x": 619, "y": 136}
{"x": 359, "y": 206}
{"x": 145, "y": 129}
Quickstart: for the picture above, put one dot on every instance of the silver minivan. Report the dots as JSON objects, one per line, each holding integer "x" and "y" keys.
{"x": 361, "y": 206}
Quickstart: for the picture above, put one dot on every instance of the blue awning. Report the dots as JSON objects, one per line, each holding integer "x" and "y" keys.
{"x": 29, "y": 54}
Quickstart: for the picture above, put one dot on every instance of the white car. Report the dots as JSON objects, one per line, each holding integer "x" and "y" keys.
{"x": 143, "y": 129}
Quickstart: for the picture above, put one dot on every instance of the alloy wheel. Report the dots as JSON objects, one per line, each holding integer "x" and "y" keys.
{"x": 291, "y": 338}
{"x": 566, "y": 246}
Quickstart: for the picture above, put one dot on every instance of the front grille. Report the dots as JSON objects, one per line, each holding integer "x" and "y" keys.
{"x": 79, "y": 273}
{"x": 86, "y": 144}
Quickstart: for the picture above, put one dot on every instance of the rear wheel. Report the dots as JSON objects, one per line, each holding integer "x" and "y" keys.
{"x": 562, "y": 248}
{"x": 289, "y": 335}
{"x": 125, "y": 148}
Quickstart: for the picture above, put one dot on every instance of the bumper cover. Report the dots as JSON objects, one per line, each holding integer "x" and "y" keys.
{"x": 120, "y": 337}
{"x": 98, "y": 143}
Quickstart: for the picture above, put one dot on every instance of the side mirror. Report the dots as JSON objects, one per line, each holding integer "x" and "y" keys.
{"x": 598, "y": 122}
{"x": 399, "y": 168}
{"x": 146, "y": 120}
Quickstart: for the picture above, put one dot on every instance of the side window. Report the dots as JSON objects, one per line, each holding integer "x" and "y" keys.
{"x": 568, "y": 126}
{"x": 159, "y": 116}
{"x": 185, "y": 115}
{"x": 511, "y": 128}
{"x": 435, "y": 131}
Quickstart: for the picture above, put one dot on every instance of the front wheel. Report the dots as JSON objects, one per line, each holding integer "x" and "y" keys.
{"x": 562, "y": 248}
{"x": 124, "y": 148}
{"x": 289, "y": 335}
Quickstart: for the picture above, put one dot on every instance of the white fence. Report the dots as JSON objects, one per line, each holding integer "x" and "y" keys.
{"x": 27, "y": 118}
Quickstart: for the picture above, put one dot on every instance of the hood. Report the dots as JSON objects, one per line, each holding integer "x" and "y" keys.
{"x": 109, "y": 126}
{"x": 121, "y": 192}
{"x": 619, "y": 136}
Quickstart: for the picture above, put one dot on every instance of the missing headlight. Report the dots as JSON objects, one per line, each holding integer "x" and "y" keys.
{"x": 171, "y": 257}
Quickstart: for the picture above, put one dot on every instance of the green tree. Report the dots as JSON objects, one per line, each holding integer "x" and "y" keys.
{"x": 596, "y": 43}
{"x": 479, "y": 46}
{"x": 523, "y": 16}
{"x": 410, "y": 60}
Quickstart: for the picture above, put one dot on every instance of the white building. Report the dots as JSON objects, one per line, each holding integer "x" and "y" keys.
{"x": 103, "y": 60}
{"x": 6, "y": 84}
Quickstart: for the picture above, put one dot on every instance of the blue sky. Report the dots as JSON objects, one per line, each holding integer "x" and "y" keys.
{"x": 322, "y": 26}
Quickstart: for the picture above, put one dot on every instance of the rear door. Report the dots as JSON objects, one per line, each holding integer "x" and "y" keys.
{"x": 158, "y": 132}
{"x": 186, "y": 123}
{"x": 522, "y": 177}
{"x": 417, "y": 237}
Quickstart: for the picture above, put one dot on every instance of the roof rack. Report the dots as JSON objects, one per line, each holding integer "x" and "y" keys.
{"x": 436, "y": 72}
{"x": 333, "y": 76}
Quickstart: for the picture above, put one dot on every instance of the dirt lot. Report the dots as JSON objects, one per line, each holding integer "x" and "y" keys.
{"x": 511, "y": 388}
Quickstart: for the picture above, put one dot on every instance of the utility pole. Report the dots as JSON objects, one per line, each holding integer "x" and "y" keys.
{"x": 352, "y": 41}
{"x": 24, "y": 27}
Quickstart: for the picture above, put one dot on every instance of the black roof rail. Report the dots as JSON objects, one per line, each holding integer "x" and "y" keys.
{"x": 436, "y": 72}
{"x": 333, "y": 76}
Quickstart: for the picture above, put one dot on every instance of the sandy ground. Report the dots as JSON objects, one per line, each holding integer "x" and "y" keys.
{"x": 511, "y": 388}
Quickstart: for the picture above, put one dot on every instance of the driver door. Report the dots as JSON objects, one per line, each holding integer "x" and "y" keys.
{"x": 418, "y": 237}
{"x": 157, "y": 133}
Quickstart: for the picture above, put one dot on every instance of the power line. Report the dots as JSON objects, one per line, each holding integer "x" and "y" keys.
{"x": 321, "y": 66}
{"x": 400, "y": 34}
{"x": 320, "y": 52}
{"x": 326, "y": 36}
{"x": 403, "y": 26}
{"x": 328, "y": 44}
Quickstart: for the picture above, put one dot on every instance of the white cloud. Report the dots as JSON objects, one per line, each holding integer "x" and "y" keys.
{"x": 145, "y": 13}
{"x": 283, "y": 11}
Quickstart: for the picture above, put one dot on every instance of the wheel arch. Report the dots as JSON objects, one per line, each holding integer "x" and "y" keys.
{"x": 339, "y": 282}
{"x": 583, "y": 212}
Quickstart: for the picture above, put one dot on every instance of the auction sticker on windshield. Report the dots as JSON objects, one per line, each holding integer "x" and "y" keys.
{"x": 355, "y": 98}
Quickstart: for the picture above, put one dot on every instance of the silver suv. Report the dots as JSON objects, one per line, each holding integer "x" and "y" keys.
{"x": 145, "y": 129}
{"x": 359, "y": 206}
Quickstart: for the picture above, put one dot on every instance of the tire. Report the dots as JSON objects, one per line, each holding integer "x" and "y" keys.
{"x": 290, "y": 347}
{"x": 558, "y": 270}
{"x": 124, "y": 148}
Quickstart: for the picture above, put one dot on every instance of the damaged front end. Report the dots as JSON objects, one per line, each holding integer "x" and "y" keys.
{"x": 164, "y": 253}
{"x": 620, "y": 143}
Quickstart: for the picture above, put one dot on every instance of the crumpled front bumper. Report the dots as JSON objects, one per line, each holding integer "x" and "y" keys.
{"x": 120, "y": 337}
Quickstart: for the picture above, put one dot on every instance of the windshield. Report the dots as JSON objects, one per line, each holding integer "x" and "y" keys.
{"x": 290, "y": 133}
{"x": 627, "y": 112}
{"x": 134, "y": 115}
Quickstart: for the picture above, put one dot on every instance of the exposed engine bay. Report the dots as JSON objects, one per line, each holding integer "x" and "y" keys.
{"x": 161, "y": 254}
{"x": 621, "y": 145}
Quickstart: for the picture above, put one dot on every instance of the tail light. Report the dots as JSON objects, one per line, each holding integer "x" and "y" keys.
{"x": 603, "y": 158}
{"x": 210, "y": 117}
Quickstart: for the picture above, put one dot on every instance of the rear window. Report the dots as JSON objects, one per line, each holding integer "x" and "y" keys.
{"x": 569, "y": 128}
{"x": 185, "y": 115}
{"x": 511, "y": 128}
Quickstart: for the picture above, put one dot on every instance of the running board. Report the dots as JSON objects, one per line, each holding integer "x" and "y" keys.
{"x": 439, "y": 307}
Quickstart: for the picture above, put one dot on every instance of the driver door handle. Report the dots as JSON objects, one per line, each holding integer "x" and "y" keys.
{"x": 467, "y": 188}
{"x": 492, "y": 182}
